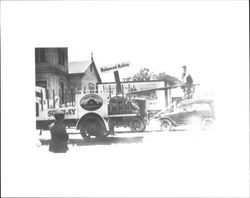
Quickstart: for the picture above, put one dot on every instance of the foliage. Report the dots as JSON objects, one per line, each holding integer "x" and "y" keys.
{"x": 171, "y": 80}
{"x": 144, "y": 75}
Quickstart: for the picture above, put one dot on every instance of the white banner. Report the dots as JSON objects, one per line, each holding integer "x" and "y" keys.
{"x": 114, "y": 67}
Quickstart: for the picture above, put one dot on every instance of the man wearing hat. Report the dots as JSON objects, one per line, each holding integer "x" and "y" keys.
{"x": 59, "y": 136}
{"x": 187, "y": 82}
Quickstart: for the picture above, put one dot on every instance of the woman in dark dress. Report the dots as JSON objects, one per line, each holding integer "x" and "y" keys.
{"x": 59, "y": 136}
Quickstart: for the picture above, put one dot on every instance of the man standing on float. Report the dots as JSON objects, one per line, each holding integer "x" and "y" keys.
{"x": 187, "y": 83}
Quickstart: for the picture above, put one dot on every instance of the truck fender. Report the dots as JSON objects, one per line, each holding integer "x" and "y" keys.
{"x": 92, "y": 115}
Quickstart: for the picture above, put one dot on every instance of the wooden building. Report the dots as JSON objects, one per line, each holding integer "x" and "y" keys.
{"x": 83, "y": 75}
{"x": 54, "y": 72}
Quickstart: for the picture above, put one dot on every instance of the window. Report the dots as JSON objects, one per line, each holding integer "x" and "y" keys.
{"x": 91, "y": 87}
{"x": 42, "y": 83}
{"x": 185, "y": 108}
{"x": 61, "y": 56}
{"x": 194, "y": 107}
{"x": 40, "y": 55}
{"x": 201, "y": 107}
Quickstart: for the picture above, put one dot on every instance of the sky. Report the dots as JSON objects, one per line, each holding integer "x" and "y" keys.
{"x": 210, "y": 37}
{"x": 159, "y": 35}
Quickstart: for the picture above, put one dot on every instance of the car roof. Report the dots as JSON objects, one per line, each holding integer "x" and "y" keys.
{"x": 196, "y": 100}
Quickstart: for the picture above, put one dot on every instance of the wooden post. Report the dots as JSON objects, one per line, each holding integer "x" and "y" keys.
{"x": 65, "y": 97}
{"x": 72, "y": 96}
{"x": 54, "y": 102}
{"x": 96, "y": 89}
{"x": 110, "y": 106}
{"x": 123, "y": 100}
{"x": 42, "y": 100}
{"x": 166, "y": 94}
{"x": 117, "y": 81}
{"x": 47, "y": 96}
{"x": 117, "y": 107}
{"x": 130, "y": 104}
{"x": 60, "y": 97}
{"x": 110, "y": 91}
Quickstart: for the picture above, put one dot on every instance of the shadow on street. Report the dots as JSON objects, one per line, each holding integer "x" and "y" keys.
{"x": 104, "y": 141}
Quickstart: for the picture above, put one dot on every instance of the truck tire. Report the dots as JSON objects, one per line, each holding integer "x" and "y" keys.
{"x": 137, "y": 124}
{"x": 92, "y": 128}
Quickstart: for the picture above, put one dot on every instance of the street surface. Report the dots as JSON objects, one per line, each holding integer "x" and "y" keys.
{"x": 122, "y": 136}
{"x": 180, "y": 163}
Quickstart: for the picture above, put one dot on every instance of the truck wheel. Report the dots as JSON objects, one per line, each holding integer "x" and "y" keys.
{"x": 92, "y": 128}
{"x": 207, "y": 124}
{"x": 137, "y": 124}
{"x": 166, "y": 125}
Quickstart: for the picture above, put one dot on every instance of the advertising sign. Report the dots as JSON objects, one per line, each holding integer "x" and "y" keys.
{"x": 114, "y": 67}
{"x": 91, "y": 102}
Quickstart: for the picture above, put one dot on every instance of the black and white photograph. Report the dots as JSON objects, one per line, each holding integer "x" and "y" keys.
{"x": 125, "y": 98}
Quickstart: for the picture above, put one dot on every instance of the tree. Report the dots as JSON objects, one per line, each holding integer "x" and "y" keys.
{"x": 143, "y": 75}
{"x": 171, "y": 80}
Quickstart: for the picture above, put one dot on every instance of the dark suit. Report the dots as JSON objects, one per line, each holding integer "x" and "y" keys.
{"x": 59, "y": 138}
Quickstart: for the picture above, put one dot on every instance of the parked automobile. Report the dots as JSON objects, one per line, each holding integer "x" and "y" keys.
{"x": 164, "y": 111}
{"x": 194, "y": 111}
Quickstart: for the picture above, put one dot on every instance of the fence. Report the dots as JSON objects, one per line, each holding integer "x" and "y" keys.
{"x": 119, "y": 102}
{"x": 61, "y": 98}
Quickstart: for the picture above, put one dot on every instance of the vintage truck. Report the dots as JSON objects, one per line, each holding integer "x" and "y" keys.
{"x": 94, "y": 113}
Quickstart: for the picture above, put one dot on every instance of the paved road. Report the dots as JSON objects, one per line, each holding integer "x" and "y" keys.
{"x": 180, "y": 163}
{"x": 121, "y": 137}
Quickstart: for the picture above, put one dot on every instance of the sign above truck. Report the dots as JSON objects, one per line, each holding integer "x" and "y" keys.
{"x": 115, "y": 67}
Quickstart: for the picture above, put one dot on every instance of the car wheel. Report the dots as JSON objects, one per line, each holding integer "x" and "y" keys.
{"x": 207, "y": 124}
{"x": 137, "y": 124}
{"x": 166, "y": 125}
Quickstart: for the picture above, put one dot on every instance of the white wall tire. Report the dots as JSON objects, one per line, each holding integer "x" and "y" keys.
{"x": 166, "y": 125}
{"x": 207, "y": 124}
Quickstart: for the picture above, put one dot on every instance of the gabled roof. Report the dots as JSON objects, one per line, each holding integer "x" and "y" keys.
{"x": 79, "y": 67}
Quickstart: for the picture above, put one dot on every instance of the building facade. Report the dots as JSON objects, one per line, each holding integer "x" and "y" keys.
{"x": 56, "y": 74}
